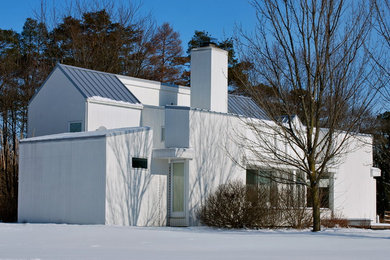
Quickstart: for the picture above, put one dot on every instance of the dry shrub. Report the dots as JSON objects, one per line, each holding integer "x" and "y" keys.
{"x": 293, "y": 209}
{"x": 334, "y": 222}
{"x": 235, "y": 205}
{"x": 226, "y": 207}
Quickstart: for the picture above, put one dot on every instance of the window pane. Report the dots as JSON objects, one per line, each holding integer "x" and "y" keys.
{"x": 264, "y": 177}
{"x": 178, "y": 187}
{"x": 75, "y": 127}
{"x": 324, "y": 197}
{"x": 251, "y": 176}
{"x": 139, "y": 163}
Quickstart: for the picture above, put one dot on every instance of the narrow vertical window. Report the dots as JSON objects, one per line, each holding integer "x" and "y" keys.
{"x": 162, "y": 134}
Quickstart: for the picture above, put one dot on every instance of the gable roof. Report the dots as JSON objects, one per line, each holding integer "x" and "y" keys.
{"x": 245, "y": 106}
{"x": 93, "y": 83}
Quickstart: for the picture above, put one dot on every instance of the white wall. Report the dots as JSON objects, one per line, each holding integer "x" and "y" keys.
{"x": 62, "y": 181}
{"x": 133, "y": 196}
{"x": 155, "y": 93}
{"x": 212, "y": 136}
{"x": 112, "y": 115}
{"x": 177, "y": 123}
{"x": 209, "y": 79}
{"x": 56, "y": 104}
{"x": 154, "y": 117}
{"x": 354, "y": 187}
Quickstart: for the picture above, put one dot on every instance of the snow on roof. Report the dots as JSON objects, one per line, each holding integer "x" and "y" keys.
{"x": 108, "y": 100}
{"x": 93, "y": 83}
{"x": 88, "y": 134}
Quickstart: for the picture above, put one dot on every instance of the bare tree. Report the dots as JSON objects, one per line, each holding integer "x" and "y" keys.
{"x": 311, "y": 55}
{"x": 166, "y": 60}
{"x": 380, "y": 52}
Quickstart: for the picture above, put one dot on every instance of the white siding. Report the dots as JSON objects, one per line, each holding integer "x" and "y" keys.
{"x": 134, "y": 196}
{"x": 111, "y": 116}
{"x": 62, "y": 181}
{"x": 177, "y": 123}
{"x": 155, "y": 93}
{"x": 212, "y": 136}
{"x": 56, "y": 104}
{"x": 354, "y": 188}
{"x": 209, "y": 79}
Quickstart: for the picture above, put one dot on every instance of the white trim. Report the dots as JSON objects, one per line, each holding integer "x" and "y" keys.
{"x": 86, "y": 116}
{"x": 115, "y": 103}
{"x": 173, "y": 153}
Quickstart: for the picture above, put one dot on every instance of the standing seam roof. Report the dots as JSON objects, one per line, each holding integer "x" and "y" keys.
{"x": 245, "y": 106}
{"x": 95, "y": 83}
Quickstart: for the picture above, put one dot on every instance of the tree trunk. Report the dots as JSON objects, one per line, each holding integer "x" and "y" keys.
{"x": 315, "y": 196}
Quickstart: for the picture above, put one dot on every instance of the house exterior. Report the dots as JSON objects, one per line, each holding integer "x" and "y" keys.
{"x": 112, "y": 149}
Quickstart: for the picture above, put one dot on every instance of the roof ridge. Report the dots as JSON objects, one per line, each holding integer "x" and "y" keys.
{"x": 237, "y": 95}
{"x": 98, "y": 83}
{"x": 90, "y": 70}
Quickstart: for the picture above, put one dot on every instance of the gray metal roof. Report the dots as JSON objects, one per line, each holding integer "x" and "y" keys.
{"x": 245, "y": 106}
{"x": 95, "y": 83}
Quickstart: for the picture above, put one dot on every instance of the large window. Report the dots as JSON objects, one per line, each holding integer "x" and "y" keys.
{"x": 285, "y": 189}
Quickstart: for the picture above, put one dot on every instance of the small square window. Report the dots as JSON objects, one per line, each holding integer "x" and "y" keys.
{"x": 75, "y": 127}
{"x": 139, "y": 163}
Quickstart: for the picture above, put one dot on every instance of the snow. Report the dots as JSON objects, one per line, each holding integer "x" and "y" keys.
{"x": 51, "y": 241}
{"x": 117, "y": 102}
{"x": 88, "y": 134}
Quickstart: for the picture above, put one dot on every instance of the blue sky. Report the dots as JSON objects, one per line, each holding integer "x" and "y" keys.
{"x": 218, "y": 17}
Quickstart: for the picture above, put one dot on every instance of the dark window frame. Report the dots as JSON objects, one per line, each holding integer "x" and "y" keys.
{"x": 79, "y": 126}
{"x": 139, "y": 163}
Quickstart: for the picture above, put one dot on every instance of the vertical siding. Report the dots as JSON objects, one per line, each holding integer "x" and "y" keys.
{"x": 62, "y": 181}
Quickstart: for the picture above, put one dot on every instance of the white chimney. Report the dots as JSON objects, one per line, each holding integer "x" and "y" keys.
{"x": 209, "y": 78}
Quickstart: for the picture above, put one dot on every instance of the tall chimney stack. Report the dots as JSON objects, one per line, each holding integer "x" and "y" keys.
{"x": 209, "y": 78}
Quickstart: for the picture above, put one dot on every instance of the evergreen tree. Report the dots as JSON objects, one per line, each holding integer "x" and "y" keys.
{"x": 382, "y": 161}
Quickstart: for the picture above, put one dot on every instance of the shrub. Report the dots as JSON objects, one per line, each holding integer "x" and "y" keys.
{"x": 235, "y": 205}
{"x": 226, "y": 207}
{"x": 334, "y": 222}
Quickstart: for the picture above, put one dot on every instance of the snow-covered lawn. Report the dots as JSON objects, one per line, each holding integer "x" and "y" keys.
{"x": 49, "y": 241}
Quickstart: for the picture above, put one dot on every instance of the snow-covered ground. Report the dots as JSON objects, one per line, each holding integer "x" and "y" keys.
{"x": 49, "y": 241}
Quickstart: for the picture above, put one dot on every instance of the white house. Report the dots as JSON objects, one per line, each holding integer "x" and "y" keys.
{"x": 112, "y": 149}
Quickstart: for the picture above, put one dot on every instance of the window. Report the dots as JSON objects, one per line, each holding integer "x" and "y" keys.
{"x": 75, "y": 127}
{"x": 162, "y": 134}
{"x": 323, "y": 193}
{"x": 139, "y": 163}
{"x": 262, "y": 178}
{"x": 258, "y": 177}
